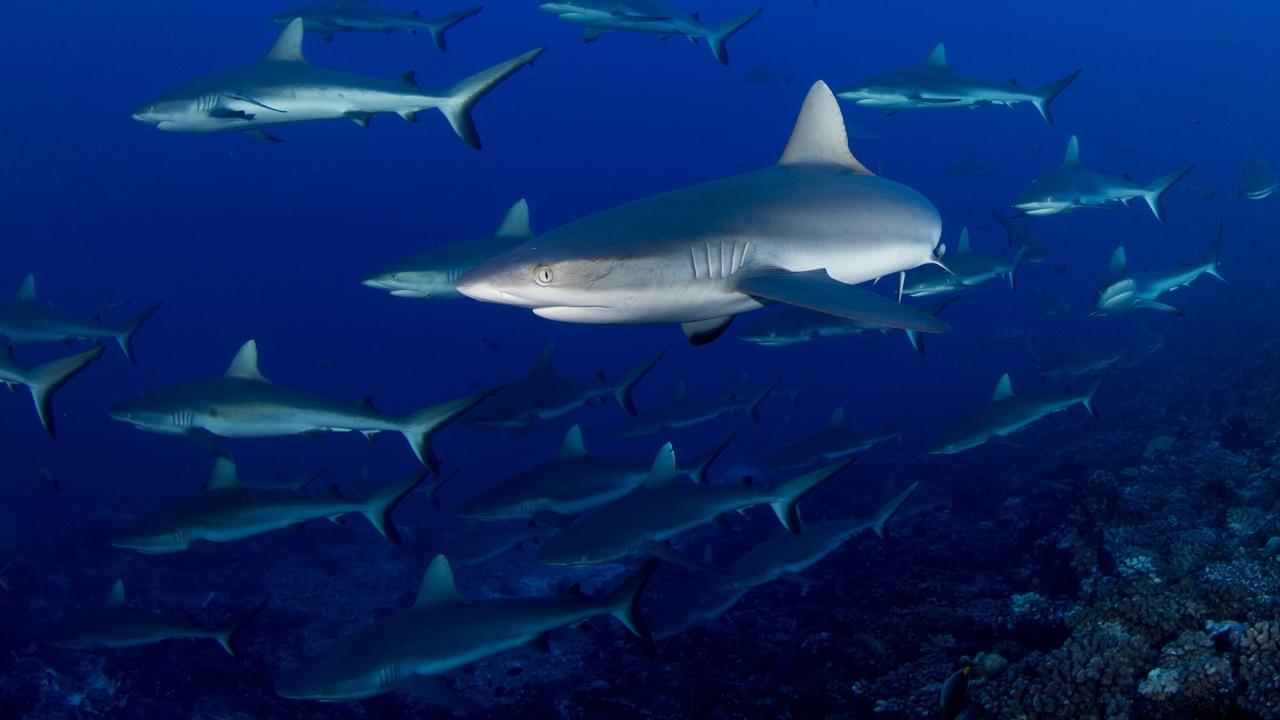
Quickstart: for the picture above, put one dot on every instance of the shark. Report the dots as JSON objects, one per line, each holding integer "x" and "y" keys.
{"x": 44, "y": 380}
{"x": 116, "y": 625}
{"x": 702, "y": 599}
{"x": 226, "y": 511}
{"x": 1021, "y": 234}
{"x": 574, "y": 482}
{"x": 1072, "y": 186}
{"x": 935, "y": 85}
{"x": 802, "y": 232}
{"x": 970, "y": 166}
{"x": 793, "y": 326}
{"x": 337, "y": 16}
{"x": 444, "y": 631}
{"x": 832, "y": 443}
{"x": 965, "y": 269}
{"x": 284, "y": 88}
{"x": 761, "y": 75}
{"x": 1008, "y": 413}
{"x": 1124, "y": 291}
{"x": 598, "y": 17}
{"x": 430, "y": 274}
{"x": 26, "y": 320}
{"x": 1258, "y": 180}
{"x": 542, "y": 395}
{"x": 681, "y": 412}
{"x": 645, "y": 520}
{"x": 242, "y": 403}
{"x": 1058, "y": 365}
{"x": 480, "y": 542}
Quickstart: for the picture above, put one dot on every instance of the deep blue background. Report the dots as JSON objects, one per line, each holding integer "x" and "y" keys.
{"x": 244, "y": 239}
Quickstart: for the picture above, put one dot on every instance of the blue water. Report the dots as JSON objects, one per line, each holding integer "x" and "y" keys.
{"x": 245, "y": 239}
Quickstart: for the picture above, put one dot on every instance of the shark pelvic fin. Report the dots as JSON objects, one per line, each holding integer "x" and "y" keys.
{"x": 288, "y": 47}
{"x": 438, "y": 587}
{"x": 115, "y": 598}
{"x": 27, "y": 290}
{"x": 223, "y": 475}
{"x": 516, "y": 222}
{"x": 819, "y": 136}
{"x": 572, "y": 447}
{"x": 701, "y": 332}
{"x": 244, "y": 365}
{"x": 1004, "y": 389}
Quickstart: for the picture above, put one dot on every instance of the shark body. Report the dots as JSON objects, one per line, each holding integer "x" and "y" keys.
{"x": 24, "y": 319}
{"x": 328, "y": 17}
{"x": 598, "y": 17}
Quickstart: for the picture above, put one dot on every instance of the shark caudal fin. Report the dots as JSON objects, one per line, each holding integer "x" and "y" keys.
{"x": 881, "y": 519}
{"x": 719, "y": 35}
{"x": 124, "y": 335}
{"x": 1156, "y": 190}
{"x": 915, "y": 337}
{"x": 45, "y": 379}
{"x": 379, "y": 506}
{"x": 622, "y": 393}
{"x": 697, "y": 469}
{"x": 1091, "y": 394}
{"x": 458, "y": 100}
{"x": 439, "y": 25}
{"x": 420, "y": 426}
{"x": 1213, "y": 265}
{"x": 753, "y": 407}
{"x": 1045, "y": 96}
{"x": 624, "y": 602}
{"x": 790, "y": 493}
{"x": 226, "y": 635}
{"x": 1018, "y": 257}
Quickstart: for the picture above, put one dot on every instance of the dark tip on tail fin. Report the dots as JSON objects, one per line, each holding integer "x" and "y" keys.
{"x": 379, "y": 506}
{"x": 720, "y": 34}
{"x": 625, "y": 602}
{"x": 227, "y": 635}
{"x": 125, "y": 335}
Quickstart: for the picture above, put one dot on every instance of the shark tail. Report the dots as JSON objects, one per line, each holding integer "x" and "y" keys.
{"x": 1214, "y": 264}
{"x": 719, "y": 35}
{"x": 789, "y": 494}
{"x": 1156, "y": 190}
{"x": 1018, "y": 257}
{"x": 629, "y": 381}
{"x": 379, "y": 506}
{"x": 420, "y": 426}
{"x": 753, "y": 409}
{"x": 439, "y": 25}
{"x": 915, "y": 337}
{"x": 1045, "y": 96}
{"x": 624, "y": 602}
{"x": 125, "y": 334}
{"x": 45, "y": 379}
{"x": 459, "y": 99}
{"x": 881, "y": 519}
{"x": 226, "y": 635}
{"x": 698, "y": 468}
{"x": 1091, "y": 394}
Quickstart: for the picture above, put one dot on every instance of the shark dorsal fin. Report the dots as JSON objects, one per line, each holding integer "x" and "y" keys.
{"x": 115, "y": 598}
{"x": 223, "y": 475}
{"x": 516, "y": 223}
{"x": 437, "y": 586}
{"x": 245, "y": 364}
{"x": 837, "y": 418}
{"x": 682, "y": 391}
{"x": 27, "y": 290}
{"x": 819, "y": 136}
{"x": 1004, "y": 388}
{"x": 288, "y": 47}
{"x": 938, "y": 58}
{"x": 1073, "y": 152}
{"x": 663, "y": 471}
{"x": 542, "y": 366}
{"x": 572, "y": 447}
{"x": 1119, "y": 262}
{"x": 963, "y": 245}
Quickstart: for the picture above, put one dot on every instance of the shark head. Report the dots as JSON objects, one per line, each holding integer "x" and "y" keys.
{"x": 170, "y": 112}
{"x": 571, "y": 11}
{"x": 565, "y": 549}
{"x": 585, "y": 287}
{"x": 1040, "y": 199}
{"x": 410, "y": 283}
{"x": 159, "y": 412}
{"x": 1116, "y": 296}
{"x": 876, "y": 93}
{"x": 151, "y": 539}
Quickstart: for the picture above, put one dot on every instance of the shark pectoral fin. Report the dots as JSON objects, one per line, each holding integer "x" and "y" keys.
{"x": 205, "y": 439}
{"x": 664, "y": 551}
{"x": 262, "y": 135}
{"x": 251, "y": 101}
{"x": 701, "y": 332}
{"x": 1157, "y": 305}
{"x": 817, "y": 291}
{"x": 360, "y": 118}
{"x": 433, "y": 690}
{"x": 590, "y": 34}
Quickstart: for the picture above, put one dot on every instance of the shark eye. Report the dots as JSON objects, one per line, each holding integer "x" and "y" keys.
{"x": 543, "y": 275}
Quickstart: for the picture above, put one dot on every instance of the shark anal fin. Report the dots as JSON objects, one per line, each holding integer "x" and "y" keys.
{"x": 817, "y": 291}
{"x": 360, "y": 118}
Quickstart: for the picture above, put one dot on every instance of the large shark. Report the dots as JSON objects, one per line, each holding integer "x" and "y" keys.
{"x": 643, "y": 521}
{"x": 334, "y": 16}
{"x": 542, "y": 395}
{"x": 834, "y": 442}
{"x": 1073, "y": 186}
{"x": 1022, "y": 235}
{"x": 116, "y": 625}
{"x": 44, "y": 380}
{"x": 935, "y": 85}
{"x": 24, "y": 319}
{"x": 794, "y": 325}
{"x": 1258, "y": 180}
{"x": 574, "y": 482}
{"x": 243, "y": 404}
{"x": 1008, "y": 413}
{"x": 801, "y": 232}
{"x": 682, "y": 412}
{"x": 284, "y": 88}
{"x": 226, "y": 511}
{"x": 431, "y": 273}
{"x": 480, "y": 542}
{"x": 1124, "y": 290}
{"x": 706, "y": 596}
{"x": 965, "y": 269}
{"x": 598, "y": 17}
{"x": 444, "y": 631}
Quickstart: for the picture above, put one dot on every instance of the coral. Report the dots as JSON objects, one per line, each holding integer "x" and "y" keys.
{"x": 1259, "y": 660}
{"x": 1191, "y": 680}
